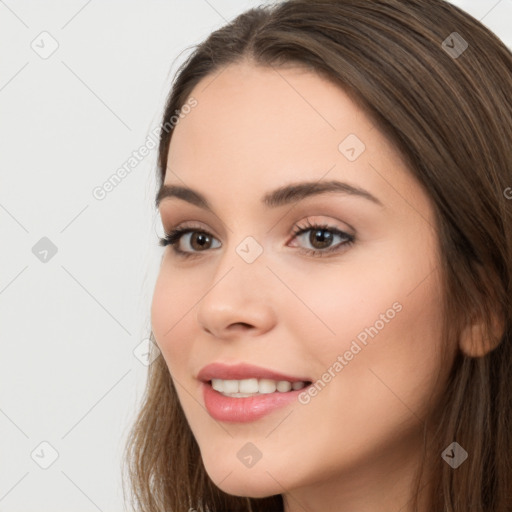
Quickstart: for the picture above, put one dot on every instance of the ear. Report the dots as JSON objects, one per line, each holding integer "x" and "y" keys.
{"x": 474, "y": 341}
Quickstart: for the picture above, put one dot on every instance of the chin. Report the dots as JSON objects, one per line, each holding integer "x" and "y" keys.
{"x": 243, "y": 482}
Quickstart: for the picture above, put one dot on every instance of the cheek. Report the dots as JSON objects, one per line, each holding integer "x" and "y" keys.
{"x": 363, "y": 299}
{"x": 171, "y": 315}
{"x": 382, "y": 315}
{"x": 407, "y": 358}
{"x": 391, "y": 335}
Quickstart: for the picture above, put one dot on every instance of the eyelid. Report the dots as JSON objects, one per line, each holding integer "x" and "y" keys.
{"x": 310, "y": 221}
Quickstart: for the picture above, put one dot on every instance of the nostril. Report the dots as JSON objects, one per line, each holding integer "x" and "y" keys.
{"x": 243, "y": 324}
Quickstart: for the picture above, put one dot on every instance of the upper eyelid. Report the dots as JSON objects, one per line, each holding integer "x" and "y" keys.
{"x": 302, "y": 224}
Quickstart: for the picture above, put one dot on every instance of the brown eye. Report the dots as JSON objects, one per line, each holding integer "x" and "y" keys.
{"x": 198, "y": 241}
{"x": 321, "y": 238}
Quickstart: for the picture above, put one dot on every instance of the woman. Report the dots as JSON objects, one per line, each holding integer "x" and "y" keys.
{"x": 333, "y": 304}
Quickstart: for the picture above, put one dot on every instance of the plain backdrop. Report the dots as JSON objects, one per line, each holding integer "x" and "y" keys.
{"x": 82, "y": 84}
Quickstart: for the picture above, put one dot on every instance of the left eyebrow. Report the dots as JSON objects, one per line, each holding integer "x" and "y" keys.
{"x": 279, "y": 197}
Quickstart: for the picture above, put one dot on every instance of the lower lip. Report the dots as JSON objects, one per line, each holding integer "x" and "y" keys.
{"x": 245, "y": 409}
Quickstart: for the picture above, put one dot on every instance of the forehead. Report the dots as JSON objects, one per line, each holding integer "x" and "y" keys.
{"x": 256, "y": 128}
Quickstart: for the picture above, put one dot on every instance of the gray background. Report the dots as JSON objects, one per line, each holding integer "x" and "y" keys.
{"x": 72, "y": 319}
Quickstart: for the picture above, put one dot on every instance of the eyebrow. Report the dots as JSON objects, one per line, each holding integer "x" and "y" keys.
{"x": 279, "y": 197}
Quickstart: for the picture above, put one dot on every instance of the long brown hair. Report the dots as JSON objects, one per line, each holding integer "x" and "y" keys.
{"x": 447, "y": 108}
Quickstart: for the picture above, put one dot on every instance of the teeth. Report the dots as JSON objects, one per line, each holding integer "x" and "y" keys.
{"x": 246, "y": 385}
{"x": 267, "y": 386}
{"x": 283, "y": 386}
{"x": 230, "y": 386}
{"x": 251, "y": 387}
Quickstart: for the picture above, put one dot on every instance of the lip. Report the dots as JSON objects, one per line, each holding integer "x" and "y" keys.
{"x": 243, "y": 371}
{"x": 244, "y": 409}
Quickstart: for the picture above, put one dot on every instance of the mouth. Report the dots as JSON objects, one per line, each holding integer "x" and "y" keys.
{"x": 243, "y": 392}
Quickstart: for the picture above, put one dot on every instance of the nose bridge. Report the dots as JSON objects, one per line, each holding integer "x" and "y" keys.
{"x": 241, "y": 269}
{"x": 239, "y": 291}
{"x": 243, "y": 251}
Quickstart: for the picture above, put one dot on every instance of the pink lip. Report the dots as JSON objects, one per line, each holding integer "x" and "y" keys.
{"x": 243, "y": 371}
{"x": 245, "y": 409}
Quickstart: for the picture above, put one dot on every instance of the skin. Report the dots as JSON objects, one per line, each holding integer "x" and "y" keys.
{"x": 356, "y": 445}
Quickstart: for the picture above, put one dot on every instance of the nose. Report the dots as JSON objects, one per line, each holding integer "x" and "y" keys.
{"x": 238, "y": 301}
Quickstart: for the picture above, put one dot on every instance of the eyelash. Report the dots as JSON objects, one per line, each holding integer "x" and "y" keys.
{"x": 175, "y": 235}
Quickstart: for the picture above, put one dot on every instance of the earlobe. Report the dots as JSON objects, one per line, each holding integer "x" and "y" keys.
{"x": 476, "y": 342}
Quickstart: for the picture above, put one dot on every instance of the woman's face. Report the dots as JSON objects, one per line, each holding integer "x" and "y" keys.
{"x": 362, "y": 322}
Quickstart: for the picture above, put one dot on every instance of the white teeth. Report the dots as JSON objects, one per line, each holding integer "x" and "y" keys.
{"x": 283, "y": 386}
{"x": 217, "y": 384}
{"x": 267, "y": 386}
{"x": 253, "y": 386}
{"x": 230, "y": 386}
{"x": 248, "y": 386}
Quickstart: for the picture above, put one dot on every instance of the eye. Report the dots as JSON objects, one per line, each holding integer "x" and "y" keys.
{"x": 321, "y": 238}
{"x": 199, "y": 241}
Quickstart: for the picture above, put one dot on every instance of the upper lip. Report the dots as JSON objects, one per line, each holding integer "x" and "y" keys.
{"x": 242, "y": 371}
